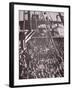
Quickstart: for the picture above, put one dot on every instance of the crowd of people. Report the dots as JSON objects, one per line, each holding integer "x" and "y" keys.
{"x": 40, "y": 59}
